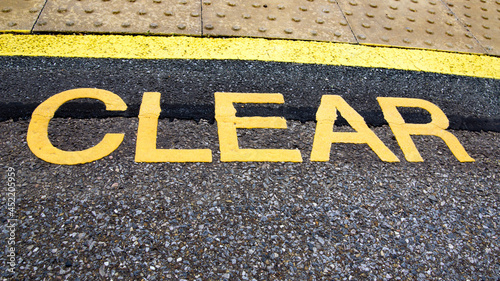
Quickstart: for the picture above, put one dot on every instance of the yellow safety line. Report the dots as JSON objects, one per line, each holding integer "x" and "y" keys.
{"x": 22, "y": 31}
{"x": 309, "y": 52}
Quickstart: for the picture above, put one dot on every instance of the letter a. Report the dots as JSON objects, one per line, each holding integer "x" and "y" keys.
{"x": 324, "y": 136}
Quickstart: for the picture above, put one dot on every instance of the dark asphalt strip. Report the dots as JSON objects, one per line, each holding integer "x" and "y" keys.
{"x": 188, "y": 88}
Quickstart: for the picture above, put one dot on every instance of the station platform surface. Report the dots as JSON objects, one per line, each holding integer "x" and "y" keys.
{"x": 450, "y": 39}
{"x": 454, "y": 25}
{"x": 253, "y": 140}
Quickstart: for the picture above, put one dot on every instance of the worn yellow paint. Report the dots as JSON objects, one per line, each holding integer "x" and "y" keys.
{"x": 21, "y": 31}
{"x": 324, "y": 135}
{"x": 227, "y": 123}
{"x": 38, "y": 140}
{"x": 308, "y": 52}
{"x": 437, "y": 127}
{"x": 146, "y": 150}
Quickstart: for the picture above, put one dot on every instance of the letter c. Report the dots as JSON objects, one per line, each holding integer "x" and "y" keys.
{"x": 38, "y": 139}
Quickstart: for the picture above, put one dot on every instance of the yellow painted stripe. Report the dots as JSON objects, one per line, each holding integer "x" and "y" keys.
{"x": 23, "y": 31}
{"x": 309, "y": 52}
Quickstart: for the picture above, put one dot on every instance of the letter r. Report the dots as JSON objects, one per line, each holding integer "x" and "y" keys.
{"x": 403, "y": 131}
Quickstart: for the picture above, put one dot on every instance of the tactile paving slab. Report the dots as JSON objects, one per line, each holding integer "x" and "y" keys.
{"x": 19, "y": 15}
{"x": 482, "y": 18}
{"x": 122, "y": 16}
{"x": 425, "y": 24}
{"x": 319, "y": 20}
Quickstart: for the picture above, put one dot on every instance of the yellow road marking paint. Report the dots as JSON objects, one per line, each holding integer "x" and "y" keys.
{"x": 38, "y": 139}
{"x": 146, "y": 150}
{"x": 436, "y": 127}
{"x": 227, "y": 123}
{"x": 308, "y": 52}
{"x": 16, "y": 31}
{"x": 324, "y": 136}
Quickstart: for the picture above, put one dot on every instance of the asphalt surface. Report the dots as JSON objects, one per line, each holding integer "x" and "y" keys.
{"x": 352, "y": 218}
{"x": 188, "y": 87}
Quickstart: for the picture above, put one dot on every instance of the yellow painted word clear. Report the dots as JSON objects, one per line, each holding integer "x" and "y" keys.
{"x": 228, "y": 123}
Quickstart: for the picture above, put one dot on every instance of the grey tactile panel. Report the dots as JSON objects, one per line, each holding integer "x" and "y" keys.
{"x": 122, "y": 16}
{"x": 482, "y": 18}
{"x": 19, "y": 15}
{"x": 425, "y": 24}
{"x": 296, "y": 19}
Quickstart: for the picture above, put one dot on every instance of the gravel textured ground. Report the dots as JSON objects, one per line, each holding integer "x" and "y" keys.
{"x": 354, "y": 217}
